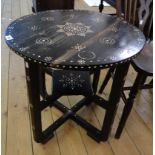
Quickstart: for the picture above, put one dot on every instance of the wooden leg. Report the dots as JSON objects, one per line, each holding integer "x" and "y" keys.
{"x": 151, "y": 82}
{"x": 147, "y": 86}
{"x": 108, "y": 76}
{"x": 118, "y": 82}
{"x": 96, "y": 80}
{"x": 96, "y": 77}
{"x": 142, "y": 81}
{"x": 43, "y": 91}
{"x": 32, "y": 77}
{"x": 129, "y": 104}
{"x": 101, "y": 6}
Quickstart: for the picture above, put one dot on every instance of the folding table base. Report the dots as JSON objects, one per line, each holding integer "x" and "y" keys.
{"x": 36, "y": 106}
{"x": 92, "y": 131}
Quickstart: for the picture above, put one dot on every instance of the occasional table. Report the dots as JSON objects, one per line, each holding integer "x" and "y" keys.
{"x": 73, "y": 40}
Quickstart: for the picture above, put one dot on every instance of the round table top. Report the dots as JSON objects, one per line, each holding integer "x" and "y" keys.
{"x": 74, "y": 39}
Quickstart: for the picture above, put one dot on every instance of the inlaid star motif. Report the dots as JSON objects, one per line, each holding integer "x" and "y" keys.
{"x": 71, "y": 29}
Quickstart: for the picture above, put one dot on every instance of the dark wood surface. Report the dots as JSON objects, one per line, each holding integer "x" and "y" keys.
{"x": 43, "y": 5}
{"x": 74, "y": 39}
{"x": 144, "y": 61}
{"x": 140, "y": 14}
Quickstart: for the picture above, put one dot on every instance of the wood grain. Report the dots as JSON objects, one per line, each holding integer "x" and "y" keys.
{"x": 6, "y": 14}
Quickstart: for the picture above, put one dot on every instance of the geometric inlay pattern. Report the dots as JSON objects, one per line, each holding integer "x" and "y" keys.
{"x": 72, "y": 81}
{"x": 71, "y": 29}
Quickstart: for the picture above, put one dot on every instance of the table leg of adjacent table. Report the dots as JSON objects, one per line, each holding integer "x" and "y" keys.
{"x": 34, "y": 83}
{"x": 117, "y": 85}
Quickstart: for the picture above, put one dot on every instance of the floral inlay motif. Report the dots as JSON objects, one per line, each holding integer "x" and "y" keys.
{"x": 71, "y": 29}
{"x": 86, "y": 55}
{"x": 81, "y": 61}
{"x": 79, "y": 47}
{"x": 48, "y": 59}
{"x": 23, "y": 49}
{"x": 114, "y": 28}
{"x": 72, "y": 81}
{"x": 113, "y": 58}
{"x": 107, "y": 41}
{"x": 44, "y": 41}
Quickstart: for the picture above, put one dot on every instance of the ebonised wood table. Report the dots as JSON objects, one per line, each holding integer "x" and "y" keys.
{"x": 79, "y": 41}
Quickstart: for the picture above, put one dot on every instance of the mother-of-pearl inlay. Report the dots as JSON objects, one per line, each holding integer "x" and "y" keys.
{"x": 86, "y": 55}
{"x": 91, "y": 44}
{"x": 44, "y": 41}
{"x": 71, "y": 29}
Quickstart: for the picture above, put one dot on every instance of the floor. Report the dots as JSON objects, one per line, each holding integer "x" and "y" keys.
{"x": 70, "y": 139}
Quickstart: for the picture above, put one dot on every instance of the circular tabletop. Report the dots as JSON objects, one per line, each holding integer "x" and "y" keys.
{"x": 74, "y": 39}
